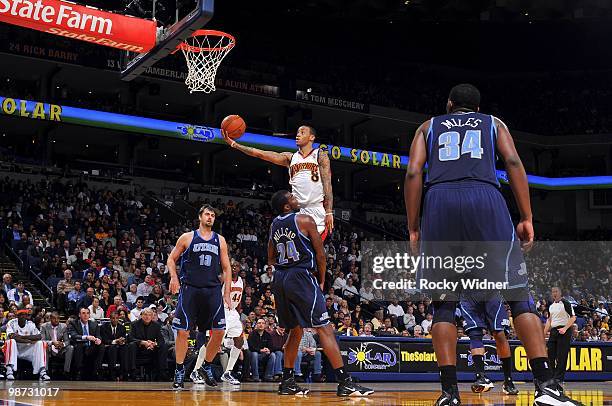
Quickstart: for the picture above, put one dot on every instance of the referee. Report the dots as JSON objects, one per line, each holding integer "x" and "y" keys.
{"x": 559, "y": 324}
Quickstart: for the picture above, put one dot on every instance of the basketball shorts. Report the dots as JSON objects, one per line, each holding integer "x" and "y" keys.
{"x": 233, "y": 325}
{"x": 318, "y": 215}
{"x": 201, "y": 307}
{"x": 483, "y": 310}
{"x": 476, "y": 213}
{"x": 299, "y": 299}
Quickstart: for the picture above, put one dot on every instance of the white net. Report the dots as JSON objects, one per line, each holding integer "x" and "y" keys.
{"x": 203, "y": 52}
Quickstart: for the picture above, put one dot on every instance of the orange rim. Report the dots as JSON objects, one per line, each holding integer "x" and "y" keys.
{"x": 191, "y": 48}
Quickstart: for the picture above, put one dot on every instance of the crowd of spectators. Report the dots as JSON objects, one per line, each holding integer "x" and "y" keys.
{"x": 104, "y": 252}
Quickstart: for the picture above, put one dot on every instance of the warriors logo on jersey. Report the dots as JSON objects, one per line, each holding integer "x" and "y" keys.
{"x": 305, "y": 179}
{"x": 307, "y": 187}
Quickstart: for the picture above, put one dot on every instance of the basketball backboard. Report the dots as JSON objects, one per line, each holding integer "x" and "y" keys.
{"x": 168, "y": 39}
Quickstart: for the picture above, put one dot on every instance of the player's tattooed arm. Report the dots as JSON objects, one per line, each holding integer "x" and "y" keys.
{"x": 227, "y": 271}
{"x": 413, "y": 183}
{"x": 181, "y": 245}
{"x": 326, "y": 179}
{"x": 309, "y": 228}
{"x": 282, "y": 158}
{"x": 518, "y": 182}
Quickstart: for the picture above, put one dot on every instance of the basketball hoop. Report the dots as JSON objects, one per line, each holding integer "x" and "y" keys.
{"x": 204, "y": 50}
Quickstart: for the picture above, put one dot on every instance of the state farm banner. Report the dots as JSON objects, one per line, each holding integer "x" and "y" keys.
{"x": 80, "y": 22}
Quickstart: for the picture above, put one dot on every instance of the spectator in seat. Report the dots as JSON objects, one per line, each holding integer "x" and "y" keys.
{"x": 408, "y": 319}
{"x": 95, "y": 311}
{"x": 55, "y": 335}
{"x": 156, "y": 294}
{"x": 87, "y": 342}
{"x": 267, "y": 277}
{"x": 74, "y": 297}
{"x": 279, "y": 337}
{"x": 350, "y": 291}
{"x": 347, "y": 328}
{"x": 117, "y": 303}
{"x": 132, "y": 294}
{"x": 418, "y": 331}
{"x": 260, "y": 342}
{"x": 367, "y": 330}
{"x": 426, "y": 324}
{"x": 366, "y": 293}
{"x": 377, "y": 320}
{"x": 357, "y": 314}
{"x": 388, "y": 327}
{"x": 395, "y": 309}
{"x": 460, "y": 334}
{"x": 146, "y": 287}
{"x": 135, "y": 312}
{"x": 339, "y": 283}
{"x": 24, "y": 341}
{"x": 87, "y": 300}
{"x": 114, "y": 338}
{"x": 146, "y": 341}
{"x": 307, "y": 351}
{"x": 421, "y": 314}
{"x": 17, "y": 293}
{"x": 7, "y": 282}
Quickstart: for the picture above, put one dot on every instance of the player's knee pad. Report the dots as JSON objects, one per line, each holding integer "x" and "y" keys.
{"x": 475, "y": 335}
{"x": 444, "y": 311}
{"x": 520, "y": 301}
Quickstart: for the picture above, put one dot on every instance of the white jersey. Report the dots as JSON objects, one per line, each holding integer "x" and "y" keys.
{"x": 236, "y": 290}
{"x": 305, "y": 179}
{"x": 28, "y": 330}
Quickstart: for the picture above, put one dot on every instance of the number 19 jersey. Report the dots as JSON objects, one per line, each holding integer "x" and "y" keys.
{"x": 201, "y": 262}
{"x": 293, "y": 248}
{"x": 461, "y": 146}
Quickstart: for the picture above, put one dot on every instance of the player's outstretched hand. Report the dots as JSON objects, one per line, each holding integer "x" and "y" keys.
{"x": 415, "y": 236}
{"x": 227, "y": 139}
{"x": 174, "y": 286}
{"x": 524, "y": 230}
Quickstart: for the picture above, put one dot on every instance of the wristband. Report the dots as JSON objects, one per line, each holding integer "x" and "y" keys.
{"x": 329, "y": 214}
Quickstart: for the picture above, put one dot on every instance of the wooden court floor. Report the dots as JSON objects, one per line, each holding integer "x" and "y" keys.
{"x": 22, "y": 393}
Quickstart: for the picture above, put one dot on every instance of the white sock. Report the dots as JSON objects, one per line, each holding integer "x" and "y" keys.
{"x": 234, "y": 354}
{"x": 201, "y": 357}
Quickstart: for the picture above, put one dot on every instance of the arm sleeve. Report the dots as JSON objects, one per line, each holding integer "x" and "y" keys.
{"x": 568, "y": 308}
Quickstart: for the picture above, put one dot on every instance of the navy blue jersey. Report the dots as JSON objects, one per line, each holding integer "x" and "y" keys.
{"x": 461, "y": 146}
{"x": 201, "y": 263}
{"x": 293, "y": 248}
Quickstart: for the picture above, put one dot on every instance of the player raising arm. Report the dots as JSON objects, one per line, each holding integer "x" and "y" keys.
{"x": 309, "y": 175}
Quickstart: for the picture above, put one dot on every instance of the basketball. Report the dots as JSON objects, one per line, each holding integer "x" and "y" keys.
{"x": 234, "y": 126}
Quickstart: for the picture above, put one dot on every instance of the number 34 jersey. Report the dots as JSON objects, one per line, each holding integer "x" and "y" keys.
{"x": 293, "y": 248}
{"x": 461, "y": 146}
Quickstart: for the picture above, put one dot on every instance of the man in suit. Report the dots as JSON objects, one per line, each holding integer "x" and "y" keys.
{"x": 146, "y": 341}
{"x": 114, "y": 338}
{"x": 85, "y": 337}
{"x": 55, "y": 334}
